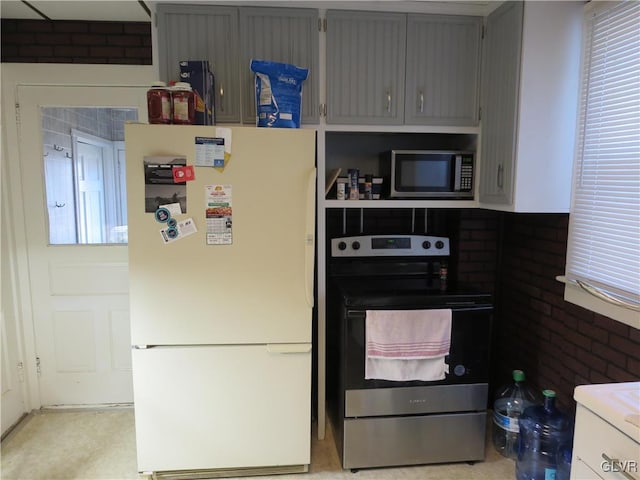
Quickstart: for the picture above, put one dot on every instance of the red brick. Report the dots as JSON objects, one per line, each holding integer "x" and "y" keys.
{"x": 9, "y": 51}
{"x": 620, "y": 375}
{"x": 143, "y": 29}
{"x": 17, "y": 38}
{"x": 36, "y": 50}
{"x": 596, "y": 377}
{"x": 591, "y": 361}
{"x": 625, "y": 346}
{"x": 633, "y": 367}
{"x": 92, "y": 60}
{"x": 89, "y": 39}
{"x": 140, "y": 52}
{"x": 592, "y": 331}
{"x": 71, "y": 51}
{"x": 33, "y": 26}
{"x": 610, "y": 355}
{"x": 106, "y": 27}
{"x": 123, "y": 40}
{"x": 578, "y": 339}
{"x": 71, "y": 26}
{"x": 109, "y": 52}
{"x": 613, "y": 326}
{"x": 53, "y": 38}
{"x": 539, "y": 306}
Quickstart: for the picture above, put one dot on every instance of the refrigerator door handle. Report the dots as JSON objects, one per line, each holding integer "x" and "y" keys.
{"x": 288, "y": 347}
{"x": 310, "y": 236}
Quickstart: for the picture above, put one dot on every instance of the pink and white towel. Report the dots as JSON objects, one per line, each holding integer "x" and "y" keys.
{"x": 405, "y": 345}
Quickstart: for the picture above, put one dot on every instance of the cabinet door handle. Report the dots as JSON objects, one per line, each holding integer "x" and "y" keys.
{"x": 388, "y": 101}
{"x": 500, "y": 177}
{"x": 221, "y": 98}
{"x": 615, "y": 465}
{"x": 421, "y": 102}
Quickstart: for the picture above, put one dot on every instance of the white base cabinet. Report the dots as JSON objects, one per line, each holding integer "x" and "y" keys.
{"x": 606, "y": 443}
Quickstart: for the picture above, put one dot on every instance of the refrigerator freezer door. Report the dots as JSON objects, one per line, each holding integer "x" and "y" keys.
{"x": 222, "y": 407}
{"x": 256, "y": 290}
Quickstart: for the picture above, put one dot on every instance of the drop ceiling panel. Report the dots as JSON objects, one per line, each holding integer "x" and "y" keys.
{"x": 114, "y": 10}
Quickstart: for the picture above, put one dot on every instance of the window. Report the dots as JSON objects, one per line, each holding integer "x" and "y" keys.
{"x": 603, "y": 256}
{"x": 85, "y": 174}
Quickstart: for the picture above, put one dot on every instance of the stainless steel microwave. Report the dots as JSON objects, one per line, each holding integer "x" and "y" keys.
{"x": 430, "y": 174}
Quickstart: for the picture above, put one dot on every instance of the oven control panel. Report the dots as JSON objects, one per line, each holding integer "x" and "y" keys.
{"x": 390, "y": 246}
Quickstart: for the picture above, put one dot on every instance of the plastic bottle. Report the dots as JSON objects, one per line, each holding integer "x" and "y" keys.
{"x": 543, "y": 431}
{"x": 511, "y": 400}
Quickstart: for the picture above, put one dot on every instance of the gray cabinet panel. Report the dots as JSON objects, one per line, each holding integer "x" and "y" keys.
{"x": 365, "y": 67}
{"x": 188, "y": 32}
{"x": 443, "y": 65}
{"x": 281, "y": 35}
{"x": 500, "y": 88}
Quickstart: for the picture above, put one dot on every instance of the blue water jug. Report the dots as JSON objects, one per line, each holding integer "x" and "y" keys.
{"x": 543, "y": 431}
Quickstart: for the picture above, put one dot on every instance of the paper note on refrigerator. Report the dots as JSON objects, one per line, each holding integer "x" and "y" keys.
{"x": 209, "y": 152}
{"x": 181, "y": 229}
{"x": 219, "y": 213}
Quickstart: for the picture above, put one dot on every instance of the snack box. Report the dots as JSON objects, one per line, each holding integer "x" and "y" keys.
{"x": 198, "y": 74}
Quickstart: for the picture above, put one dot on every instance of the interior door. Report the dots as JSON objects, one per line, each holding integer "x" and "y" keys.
{"x": 79, "y": 292}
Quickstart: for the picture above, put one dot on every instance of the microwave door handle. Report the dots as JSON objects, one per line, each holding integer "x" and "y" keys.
{"x": 421, "y": 103}
{"x": 388, "y": 101}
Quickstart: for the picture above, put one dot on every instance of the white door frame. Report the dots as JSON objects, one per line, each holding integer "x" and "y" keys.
{"x": 41, "y": 74}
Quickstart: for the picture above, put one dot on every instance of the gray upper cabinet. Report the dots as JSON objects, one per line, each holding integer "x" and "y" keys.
{"x": 395, "y": 69}
{"x": 365, "y": 67}
{"x": 203, "y": 32}
{"x": 443, "y": 69}
{"x": 229, "y": 37}
{"x": 501, "y": 70}
{"x": 530, "y": 85}
{"x": 286, "y": 35}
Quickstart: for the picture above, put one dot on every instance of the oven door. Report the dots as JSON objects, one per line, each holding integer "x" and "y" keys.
{"x": 468, "y": 360}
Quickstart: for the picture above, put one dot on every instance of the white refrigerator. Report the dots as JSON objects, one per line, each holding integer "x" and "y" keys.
{"x": 221, "y": 309}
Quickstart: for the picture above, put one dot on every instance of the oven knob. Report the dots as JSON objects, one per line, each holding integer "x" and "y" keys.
{"x": 459, "y": 370}
{"x": 355, "y": 245}
{"x": 342, "y": 246}
{"x": 439, "y": 244}
{"x": 426, "y": 244}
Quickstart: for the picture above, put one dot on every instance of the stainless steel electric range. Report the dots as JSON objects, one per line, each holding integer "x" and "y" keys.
{"x": 381, "y": 423}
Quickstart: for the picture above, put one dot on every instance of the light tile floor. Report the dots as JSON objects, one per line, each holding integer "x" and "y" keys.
{"x": 100, "y": 445}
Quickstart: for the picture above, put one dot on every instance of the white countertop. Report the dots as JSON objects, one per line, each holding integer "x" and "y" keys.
{"x": 617, "y": 403}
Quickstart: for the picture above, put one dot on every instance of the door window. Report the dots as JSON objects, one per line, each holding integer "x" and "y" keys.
{"x": 84, "y": 174}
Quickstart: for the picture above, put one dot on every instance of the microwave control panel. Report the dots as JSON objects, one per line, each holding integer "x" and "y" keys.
{"x": 464, "y": 173}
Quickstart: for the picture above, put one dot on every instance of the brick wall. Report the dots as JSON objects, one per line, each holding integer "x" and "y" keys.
{"x": 477, "y": 248}
{"x": 473, "y": 234}
{"x": 559, "y": 345}
{"x": 43, "y": 41}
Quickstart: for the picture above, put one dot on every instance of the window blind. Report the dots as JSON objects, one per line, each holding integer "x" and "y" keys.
{"x": 604, "y": 225}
